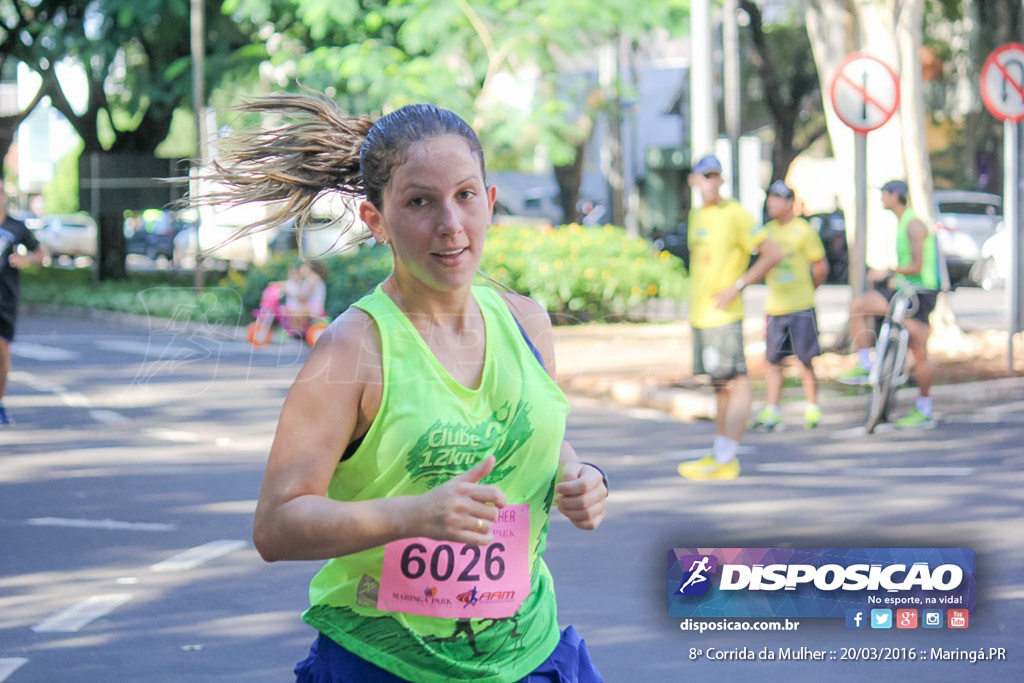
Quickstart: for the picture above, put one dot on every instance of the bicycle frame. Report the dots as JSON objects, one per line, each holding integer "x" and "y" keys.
{"x": 889, "y": 372}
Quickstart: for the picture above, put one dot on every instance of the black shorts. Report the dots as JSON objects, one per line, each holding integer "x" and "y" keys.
{"x": 7, "y": 321}
{"x": 926, "y": 299}
{"x": 718, "y": 351}
{"x": 792, "y": 334}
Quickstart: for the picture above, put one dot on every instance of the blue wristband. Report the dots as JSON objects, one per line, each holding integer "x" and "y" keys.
{"x": 604, "y": 476}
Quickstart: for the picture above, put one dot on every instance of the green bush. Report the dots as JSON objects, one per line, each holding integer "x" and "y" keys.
{"x": 582, "y": 273}
{"x": 577, "y": 273}
{"x": 164, "y": 294}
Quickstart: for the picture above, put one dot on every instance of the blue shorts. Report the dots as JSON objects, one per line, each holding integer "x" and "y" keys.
{"x": 328, "y": 662}
{"x": 792, "y": 334}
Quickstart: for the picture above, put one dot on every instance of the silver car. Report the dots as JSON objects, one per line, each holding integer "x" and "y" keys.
{"x": 70, "y": 235}
{"x": 964, "y": 220}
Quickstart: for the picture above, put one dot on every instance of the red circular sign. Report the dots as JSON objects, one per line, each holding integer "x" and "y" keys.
{"x": 865, "y": 92}
{"x": 1002, "y": 82}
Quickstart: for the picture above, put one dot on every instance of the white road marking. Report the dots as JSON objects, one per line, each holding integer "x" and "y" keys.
{"x": 193, "y": 557}
{"x": 74, "y": 399}
{"x": 145, "y": 348}
{"x": 817, "y": 468}
{"x": 80, "y": 614}
{"x": 41, "y": 352}
{"x": 648, "y": 414}
{"x": 105, "y": 524}
{"x": 37, "y": 383}
{"x": 176, "y": 435}
{"x": 10, "y": 665}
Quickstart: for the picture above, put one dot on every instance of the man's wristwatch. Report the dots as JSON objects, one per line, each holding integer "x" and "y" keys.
{"x": 740, "y": 284}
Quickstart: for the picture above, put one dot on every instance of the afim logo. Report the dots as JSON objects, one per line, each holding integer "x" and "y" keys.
{"x": 696, "y": 580}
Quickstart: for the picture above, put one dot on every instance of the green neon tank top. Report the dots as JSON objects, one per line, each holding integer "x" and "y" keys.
{"x": 428, "y": 429}
{"x": 928, "y": 278}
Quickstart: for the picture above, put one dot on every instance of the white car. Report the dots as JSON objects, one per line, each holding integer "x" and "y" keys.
{"x": 69, "y": 235}
{"x": 221, "y": 243}
{"x": 993, "y": 268}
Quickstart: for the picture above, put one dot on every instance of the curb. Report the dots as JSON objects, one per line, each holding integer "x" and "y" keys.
{"x": 688, "y": 405}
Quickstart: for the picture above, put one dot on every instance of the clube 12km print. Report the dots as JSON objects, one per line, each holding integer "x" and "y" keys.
{"x": 901, "y": 589}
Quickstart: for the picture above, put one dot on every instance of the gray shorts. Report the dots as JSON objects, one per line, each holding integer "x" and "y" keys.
{"x": 718, "y": 351}
{"x": 792, "y": 334}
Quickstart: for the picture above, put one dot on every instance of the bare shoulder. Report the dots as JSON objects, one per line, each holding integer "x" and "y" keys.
{"x": 346, "y": 351}
{"x": 530, "y": 314}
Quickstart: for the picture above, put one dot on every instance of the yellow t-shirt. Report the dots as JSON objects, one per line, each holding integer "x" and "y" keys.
{"x": 790, "y": 285}
{"x": 721, "y": 238}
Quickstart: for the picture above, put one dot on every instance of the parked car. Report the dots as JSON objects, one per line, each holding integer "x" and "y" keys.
{"x": 831, "y": 228}
{"x": 674, "y": 242}
{"x": 963, "y": 221}
{"x": 993, "y": 268}
{"x": 221, "y": 245}
{"x": 151, "y": 233}
{"x": 69, "y": 235}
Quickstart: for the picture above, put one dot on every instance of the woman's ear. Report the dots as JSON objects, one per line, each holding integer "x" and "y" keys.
{"x": 371, "y": 217}
{"x": 492, "y": 194}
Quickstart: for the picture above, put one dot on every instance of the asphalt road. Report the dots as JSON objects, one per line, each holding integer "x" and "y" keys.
{"x": 127, "y": 488}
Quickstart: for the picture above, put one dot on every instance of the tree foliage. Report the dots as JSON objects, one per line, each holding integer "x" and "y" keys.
{"x": 504, "y": 65}
{"x": 133, "y": 56}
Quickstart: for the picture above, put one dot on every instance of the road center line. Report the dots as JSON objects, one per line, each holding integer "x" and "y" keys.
{"x": 9, "y": 666}
{"x": 193, "y": 557}
{"x": 106, "y": 524}
{"x": 82, "y": 613}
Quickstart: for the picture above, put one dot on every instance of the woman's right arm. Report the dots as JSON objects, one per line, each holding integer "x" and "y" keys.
{"x": 332, "y": 399}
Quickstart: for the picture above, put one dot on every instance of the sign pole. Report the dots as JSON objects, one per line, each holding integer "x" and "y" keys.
{"x": 858, "y": 268}
{"x": 865, "y": 94}
{"x": 1011, "y": 156}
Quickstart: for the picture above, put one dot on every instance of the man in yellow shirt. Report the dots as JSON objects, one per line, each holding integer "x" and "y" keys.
{"x": 792, "y": 327}
{"x": 722, "y": 236}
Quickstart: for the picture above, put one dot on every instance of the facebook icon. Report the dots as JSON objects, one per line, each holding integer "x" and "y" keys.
{"x": 856, "y": 618}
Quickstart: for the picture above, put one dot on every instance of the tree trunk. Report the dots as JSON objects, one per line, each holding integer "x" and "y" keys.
{"x": 569, "y": 179}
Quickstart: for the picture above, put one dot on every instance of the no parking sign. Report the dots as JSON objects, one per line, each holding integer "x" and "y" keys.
{"x": 1002, "y": 82}
{"x": 865, "y": 92}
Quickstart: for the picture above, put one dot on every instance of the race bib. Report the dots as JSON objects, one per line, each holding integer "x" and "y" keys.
{"x": 459, "y": 581}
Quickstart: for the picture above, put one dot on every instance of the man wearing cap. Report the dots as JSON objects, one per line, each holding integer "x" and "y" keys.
{"x": 917, "y": 261}
{"x": 722, "y": 236}
{"x": 792, "y": 327}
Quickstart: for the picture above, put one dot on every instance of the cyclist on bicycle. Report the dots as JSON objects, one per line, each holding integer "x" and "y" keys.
{"x": 917, "y": 261}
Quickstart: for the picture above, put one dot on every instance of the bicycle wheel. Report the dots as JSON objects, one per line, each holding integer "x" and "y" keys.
{"x": 883, "y": 389}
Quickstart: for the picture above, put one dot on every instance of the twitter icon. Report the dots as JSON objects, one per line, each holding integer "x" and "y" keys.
{"x": 881, "y": 618}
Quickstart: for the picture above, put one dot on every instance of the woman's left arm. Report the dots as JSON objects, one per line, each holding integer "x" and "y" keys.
{"x": 582, "y": 493}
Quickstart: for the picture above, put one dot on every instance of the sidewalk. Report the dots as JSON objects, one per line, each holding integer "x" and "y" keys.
{"x": 649, "y": 364}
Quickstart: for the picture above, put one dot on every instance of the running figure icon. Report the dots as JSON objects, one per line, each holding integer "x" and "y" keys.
{"x": 697, "y": 570}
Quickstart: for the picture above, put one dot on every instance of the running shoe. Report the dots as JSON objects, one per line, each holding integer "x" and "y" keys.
{"x": 5, "y": 419}
{"x": 855, "y": 376}
{"x": 915, "y": 419}
{"x": 707, "y": 468}
{"x": 812, "y": 416}
{"x": 768, "y": 420}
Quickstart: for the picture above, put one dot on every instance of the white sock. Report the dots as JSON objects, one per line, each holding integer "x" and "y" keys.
{"x": 864, "y": 358}
{"x": 724, "y": 450}
{"x": 773, "y": 410}
{"x": 924, "y": 405}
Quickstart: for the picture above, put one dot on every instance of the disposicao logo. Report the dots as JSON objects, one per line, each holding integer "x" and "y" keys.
{"x": 817, "y": 582}
{"x": 697, "y": 579}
